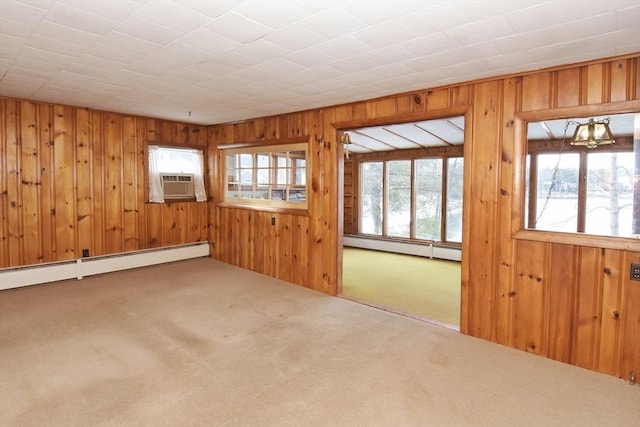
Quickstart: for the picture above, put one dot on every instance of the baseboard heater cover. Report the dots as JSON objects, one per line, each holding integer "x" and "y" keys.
{"x": 425, "y": 250}
{"x": 16, "y": 277}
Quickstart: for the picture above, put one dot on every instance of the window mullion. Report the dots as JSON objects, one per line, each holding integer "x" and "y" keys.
{"x": 385, "y": 199}
{"x": 582, "y": 193}
{"x": 443, "y": 199}
{"x": 412, "y": 221}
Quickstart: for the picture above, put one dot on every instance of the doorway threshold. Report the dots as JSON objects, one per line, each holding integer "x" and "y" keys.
{"x": 402, "y": 313}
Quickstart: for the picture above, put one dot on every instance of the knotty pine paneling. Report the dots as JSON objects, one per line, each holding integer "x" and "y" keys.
{"x": 552, "y": 299}
{"x": 73, "y": 179}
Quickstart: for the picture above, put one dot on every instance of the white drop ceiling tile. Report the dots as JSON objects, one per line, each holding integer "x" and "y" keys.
{"x": 523, "y": 41}
{"x": 261, "y": 50}
{"x": 386, "y": 34}
{"x": 388, "y": 71}
{"x": 478, "y": 10}
{"x": 310, "y": 57}
{"x": 352, "y": 65}
{"x": 79, "y": 19}
{"x": 389, "y": 54}
{"x": 294, "y": 37}
{"x": 280, "y": 67}
{"x": 234, "y": 60}
{"x": 273, "y": 13}
{"x": 628, "y": 18}
{"x": 192, "y": 73}
{"x": 177, "y": 86}
{"x": 344, "y": 47}
{"x": 236, "y": 27}
{"x": 172, "y": 15}
{"x": 12, "y": 43}
{"x": 109, "y": 9}
{"x": 317, "y": 6}
{"x": 22, "y": 12}
{"x": 55, "y": 46}
{"x": 111, "y": 53}
{"x": 486, "y": 29}
{"x": 377, "y": 12}
{"x": 553, "y": 13}
{"x": 116, "y": 40}
{"x": 210, "y": 8}
{"x": 443, "y": 16}
{"x": 147, "y": 68}
{"x": 28, "y": 72}
{"x": 255, "y": 74}
{"x": 22, "y": 81}
{"x": 65, "y": 34}
{"x": 332, "y": 23}
{"x": 88, "y": 61}
{"x": 40, "y": 4}
{"x": 178, "y": 54}
{"x": 15, "y": 28}
{"x": 208, "y": 42}
{"x": 130, "y": 78}
{"x": 144, "y": 29}
{"x": 320, "y": 87}
{"x": 430, "y": 44}
{"x": 212, "y": 69}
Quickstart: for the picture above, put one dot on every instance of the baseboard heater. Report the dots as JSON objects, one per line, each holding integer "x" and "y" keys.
{"x": 428, "y": 250}
{"x": 16, "y": 277}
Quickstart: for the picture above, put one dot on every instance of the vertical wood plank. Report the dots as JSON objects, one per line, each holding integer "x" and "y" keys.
{"x": 504, "y": 290}
{"x": 478, "y": 288}
{"x": 630, "y": 352}
{"x": 594, "y": 79}
{"x": 113, "y": 218}
{"x": 587, "y": 309}
{"x": 536, "y": 91}
{"x": 4, "y": 238}
{"x": 98, "y": 183}
{"x": 47, "y": 190}
{"x": 608, "y": 360}
{"x": 65, "y": 194}
{"x": 568, "y": 87}
{"x": 30, "y": 183}
{"x": 130, "y": 162}
{"x": 14, "y": 198}
{"x": 562, "y": 288}
{"x": 530, "y": 283}
{"x": 437, "y": 99}
{"x": 84, "y": 187}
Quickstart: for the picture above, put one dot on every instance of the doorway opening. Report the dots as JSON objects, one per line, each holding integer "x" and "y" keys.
{"x": 402, "y": 228}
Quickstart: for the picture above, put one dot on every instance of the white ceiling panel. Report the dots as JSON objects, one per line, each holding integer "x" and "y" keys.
{"x": 233, "y": 59}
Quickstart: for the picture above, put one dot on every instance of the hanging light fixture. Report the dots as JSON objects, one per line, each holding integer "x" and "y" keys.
{"x": 346, "y": 141}
{"x": 593, "y": 134}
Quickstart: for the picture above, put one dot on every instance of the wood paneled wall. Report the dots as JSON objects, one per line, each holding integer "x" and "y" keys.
{"x": 73, "y": 179}
{"x": 572, "y": 302}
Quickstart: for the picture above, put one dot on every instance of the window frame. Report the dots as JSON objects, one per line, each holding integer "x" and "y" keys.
{"x": 519, "y": 200}
{"x": 444, "y": 157}
{"x": 175, "y": 147}
{"x": 268, "y": 149}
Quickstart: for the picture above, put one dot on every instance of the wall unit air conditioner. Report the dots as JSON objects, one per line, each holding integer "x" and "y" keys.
{"x": 177, "y": 185}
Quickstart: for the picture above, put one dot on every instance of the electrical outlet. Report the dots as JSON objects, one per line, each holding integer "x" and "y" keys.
{"x": 85, "y": 253}
{"x": 273, "y": 220}
{"x": 635, "y": 272}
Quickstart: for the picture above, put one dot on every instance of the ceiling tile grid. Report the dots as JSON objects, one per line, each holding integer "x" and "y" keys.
{"x": 229, "y": 60}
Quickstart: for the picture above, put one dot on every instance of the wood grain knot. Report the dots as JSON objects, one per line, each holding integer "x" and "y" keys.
{"x": 417, "y": 99}
{"x": 616, "y": 314}
{"x": 607, "y": 271}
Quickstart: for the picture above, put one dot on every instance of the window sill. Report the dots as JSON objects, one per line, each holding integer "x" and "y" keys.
{"x": 589, "y": 240}
{"x": 303, "y": 211}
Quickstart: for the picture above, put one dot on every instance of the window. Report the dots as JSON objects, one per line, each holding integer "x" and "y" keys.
{"x": 405, "y": 199}
{"x": 578, "y": 189}
{"x": 176, "y": 174}
{"x": 274, "y": 176}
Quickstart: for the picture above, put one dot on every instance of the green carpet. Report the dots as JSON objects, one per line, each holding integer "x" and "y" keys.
{"x": 414, "y": 285}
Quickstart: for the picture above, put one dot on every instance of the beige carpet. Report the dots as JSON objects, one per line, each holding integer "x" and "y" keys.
{"x": 201, "y": 343}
